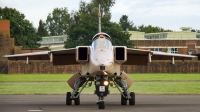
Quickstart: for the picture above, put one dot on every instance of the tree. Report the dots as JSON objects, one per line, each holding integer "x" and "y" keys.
{"x": 81, "y": 30}
{"x": 126, "y": 24}
{"x": 105, "y": 6}
{"x": 84, "y": 25}
{"x": 21, "y": 29}
{"x": 42, "y": 31}
{"x": 151, "y": 29}
{"x": 57, "y": 22}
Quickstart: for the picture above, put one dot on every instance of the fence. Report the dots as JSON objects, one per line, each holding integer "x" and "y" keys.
{"x": 44, "y": 67}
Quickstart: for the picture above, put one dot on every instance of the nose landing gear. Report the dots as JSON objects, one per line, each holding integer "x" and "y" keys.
{"x": 102, "y": 85}
{"x": 101, "y": 102}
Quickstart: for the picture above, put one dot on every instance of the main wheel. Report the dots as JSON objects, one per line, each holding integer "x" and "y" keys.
{"x": 77, "y": 100}
{"x": 101, "y": 105}
{"x": 68, "y": 100}
{"x": 123, "y": 100}
{"x": 132, "y": 100}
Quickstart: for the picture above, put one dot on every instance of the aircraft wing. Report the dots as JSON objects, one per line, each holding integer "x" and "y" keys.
{"x": 58, "y": 57}
{"x": 142, "y": 57}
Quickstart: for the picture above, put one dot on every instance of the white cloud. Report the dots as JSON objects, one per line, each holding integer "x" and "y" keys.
{"x": 166, "y": 14}
{"x": 35, "y": 10}
{"x": 169, "y": 14}
{"x": 176, "y": 8}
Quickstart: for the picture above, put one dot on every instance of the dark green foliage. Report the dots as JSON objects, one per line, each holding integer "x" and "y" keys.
{"x": 126, "y": 24}
{"x": 81, "y": 31}
{"x": 57, "y": 22}
{"x": 21, "y": 29}
{"x": 151, "y": 29}
{"x": 42, "y": 31}
{"x": 106, "y": 5}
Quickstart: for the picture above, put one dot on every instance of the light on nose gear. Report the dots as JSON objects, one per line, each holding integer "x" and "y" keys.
{"x": 105, "y": 83}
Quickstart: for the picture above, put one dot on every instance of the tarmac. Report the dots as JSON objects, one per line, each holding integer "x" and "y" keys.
{"x": 56, "y": 103}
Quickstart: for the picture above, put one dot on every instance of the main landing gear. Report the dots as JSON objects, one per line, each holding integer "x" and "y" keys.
{"x": 125, "y": 94}
{"x": 75, "y": 94}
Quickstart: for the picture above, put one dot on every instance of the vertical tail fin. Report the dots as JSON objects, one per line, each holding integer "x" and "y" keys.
{"x": 99, "y": 15}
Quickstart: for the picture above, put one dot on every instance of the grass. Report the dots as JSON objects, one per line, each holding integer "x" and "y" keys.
{"x": 35, "y": 77}
{"x": 56, "y": 84}
{"x": 165, "y": 77}
{"x": 65, "y": 77}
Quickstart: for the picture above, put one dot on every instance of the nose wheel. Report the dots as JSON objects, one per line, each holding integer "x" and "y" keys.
{"x": 102, "y": 105}
{"x": 101, "y": 102}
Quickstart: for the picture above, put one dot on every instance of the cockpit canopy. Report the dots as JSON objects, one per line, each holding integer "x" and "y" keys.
{"x": 101, "y": 34}
{"x": 101, "y": 41}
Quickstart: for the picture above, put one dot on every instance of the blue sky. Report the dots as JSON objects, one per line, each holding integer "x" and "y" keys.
{"x": 168, "y": 14}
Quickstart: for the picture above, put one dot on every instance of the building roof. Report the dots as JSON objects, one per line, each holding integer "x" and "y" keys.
{"x": 176, "y": 35}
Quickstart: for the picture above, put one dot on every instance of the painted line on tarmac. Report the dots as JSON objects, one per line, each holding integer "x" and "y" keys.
{"x": 35, "y": 110}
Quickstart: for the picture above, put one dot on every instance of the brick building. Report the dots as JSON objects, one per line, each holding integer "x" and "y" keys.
{"x": 7, "y": 45}
{"x": 182, "y": 42}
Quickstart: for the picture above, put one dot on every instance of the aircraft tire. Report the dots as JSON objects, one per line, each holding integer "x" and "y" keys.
{"x": 68, "y": 100}
{"x": 132, "y": 100}
{"x": 123, "y": 100}
{"x": 77, "y": 101}
{"x": 101, "y": 105}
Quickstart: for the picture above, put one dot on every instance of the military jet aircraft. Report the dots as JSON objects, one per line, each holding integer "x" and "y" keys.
{"x": 100, "y": 63}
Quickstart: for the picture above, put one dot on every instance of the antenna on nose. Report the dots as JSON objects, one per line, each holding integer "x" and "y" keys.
{"x": 99, "y": 15}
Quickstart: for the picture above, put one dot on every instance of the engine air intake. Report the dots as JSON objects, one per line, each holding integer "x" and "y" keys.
{"x": 82, "y": 54}
{"x": 120, "y": 54}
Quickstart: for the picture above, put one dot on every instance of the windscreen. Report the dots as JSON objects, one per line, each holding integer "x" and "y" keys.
{"x": 101, "y": 42}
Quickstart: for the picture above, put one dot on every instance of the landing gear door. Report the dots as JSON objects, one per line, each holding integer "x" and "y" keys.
{"x": 129, "y": 81}
{"x": 72, "y": 80}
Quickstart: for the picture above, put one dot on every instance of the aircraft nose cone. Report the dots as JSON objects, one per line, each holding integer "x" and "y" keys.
{"x": 104, "y": 59}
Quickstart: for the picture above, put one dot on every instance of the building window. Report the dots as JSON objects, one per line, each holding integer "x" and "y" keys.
{"x": 156, "y": 36}
{"x": 156, "y": 49}
{"x": 62, "y": 39}
{"x": 53, "y": 39}
{"x": 198, "y": 36}
{"x": 173, "y": 50}
{"x": 47, "y": 40}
